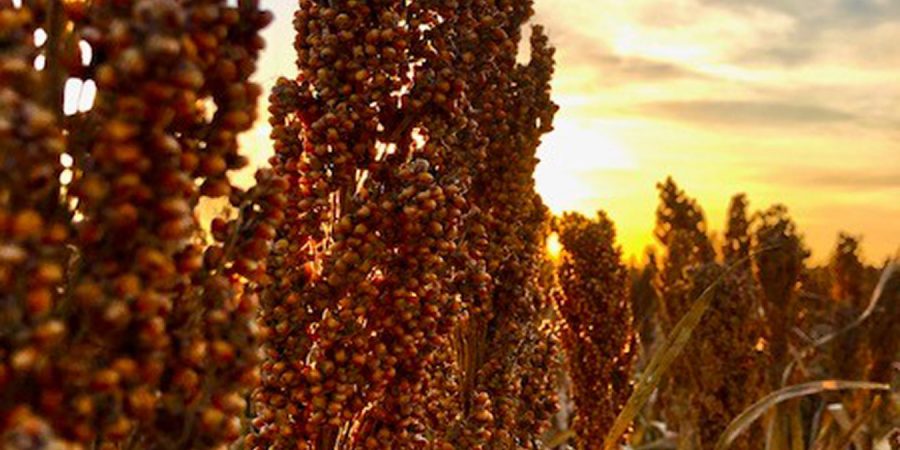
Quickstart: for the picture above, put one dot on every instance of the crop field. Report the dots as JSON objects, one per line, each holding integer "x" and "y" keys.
{"x": 392, "y": 225}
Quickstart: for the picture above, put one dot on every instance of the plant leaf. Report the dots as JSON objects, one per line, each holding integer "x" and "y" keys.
{"x": 851, "y": 435}
{"x": 892, "y": 268}
{"x": 746, "y": 418}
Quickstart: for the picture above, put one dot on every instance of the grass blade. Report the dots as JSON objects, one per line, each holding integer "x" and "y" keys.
{"x": 851, "y": 434}
{"x": 886, "y": 276}
{"x": 746, "y": 418}
{"x": 892, "y": 268}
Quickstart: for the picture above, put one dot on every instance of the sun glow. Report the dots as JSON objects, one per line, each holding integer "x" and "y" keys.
{"x": 570, "y": 156}
{"x": 554, "y": 247}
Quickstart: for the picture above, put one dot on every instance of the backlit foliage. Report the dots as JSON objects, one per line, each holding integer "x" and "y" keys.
{"x": 407, "y": 309}
{"x": 598, "y": 335}
{"x": 385, "y": 284}
{"x": 714, "y": 380}
{"x": 778, "y": 259}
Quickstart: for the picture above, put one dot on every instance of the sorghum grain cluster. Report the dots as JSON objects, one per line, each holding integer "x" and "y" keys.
{"x": 598, "y": 335}
{"x": 155, "y": 324}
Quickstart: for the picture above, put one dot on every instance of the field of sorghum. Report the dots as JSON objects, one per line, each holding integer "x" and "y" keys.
{"x": 385, "y": 283}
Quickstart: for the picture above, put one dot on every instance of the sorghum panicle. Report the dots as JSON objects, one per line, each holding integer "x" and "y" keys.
{"x": 598, "y": 335}
{"x": 514, "y": 350}
{"x": 157, "y": 338}
{"x": 681, "y": 229}
{"x": 381, "y": 140}
{"x": 849, "y": 289}
{"x": 33, "y": 238}
{"x": 778, "y": 263}
{"x": 727, "y": 356}
{"x": 371, "y": 137}
{"x": 738, "y": 239}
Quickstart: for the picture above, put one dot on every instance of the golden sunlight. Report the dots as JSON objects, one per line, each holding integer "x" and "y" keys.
{"x": 569, "y": 156}
{"x": 554, "y": 247}
{"x": 338, "y": 224}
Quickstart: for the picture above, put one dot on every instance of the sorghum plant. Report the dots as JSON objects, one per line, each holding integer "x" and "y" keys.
{"x": 597, "y": 328}
{"x": 878, "y": 340}
{"x": 727, "y": 357}
{"x": 719, "y": 374}
{"x": 681, "y": 229}
{"x": 154, "y": 324}
{"x": 737, "y": 232}
{"x": 778, "y": 261}
{"x": 778, "y": 265}
{"x": 516, "y": 353}
{"x": 33, "y": 234}
{"x": 849, "y": 289}
{"x": 678, "y": 212}
{"x": 848, "y": 273}
{"x": 883, "y": 333}
{"x": 360, "y": 303}
{"x": 384, "y": 138}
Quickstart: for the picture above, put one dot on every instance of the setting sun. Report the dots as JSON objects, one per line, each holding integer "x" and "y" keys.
{"x": 570, "y": 156}
{"x": 698, "y": 95}
{"x": 395, "y": 224}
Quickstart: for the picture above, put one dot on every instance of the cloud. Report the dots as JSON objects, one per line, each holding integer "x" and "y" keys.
{"x": 793, "y": 101}
{"x": 823, "y": 31}
{"x": 606, "y": 67}
{"x": 676, "y": 31}
{"x": 779, "y": 55}
{"x": 823, "y": 12}
{"x": 744, "y": 113}
{"x": 623, "y": 69}
{"x": 855, "y": 180}
{"x": 859, "y": 181}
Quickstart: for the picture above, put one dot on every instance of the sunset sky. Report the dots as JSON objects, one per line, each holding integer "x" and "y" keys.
{"x": 791, "y": 101}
